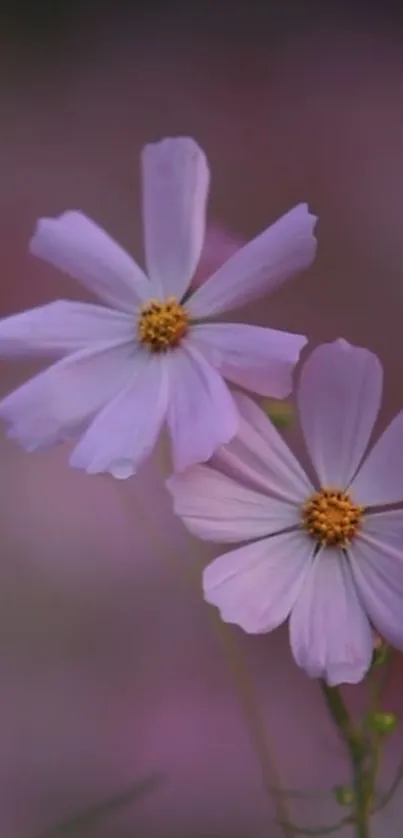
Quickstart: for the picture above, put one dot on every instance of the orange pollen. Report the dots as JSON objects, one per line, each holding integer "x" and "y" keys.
{"x": 331, "y": 517}
{"x": 162, "y": 325}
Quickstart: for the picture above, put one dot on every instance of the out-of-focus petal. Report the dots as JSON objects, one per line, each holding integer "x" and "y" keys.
{"x": 256, "y": 586}
{"x": 61, "y": 327}
{"x": 329, "y": 632}
{"x": 175, "y": 188}
{"x": 216, "y": 508}
{"x": 76, "y": 245}
{"x": 377, "y": 566}
{"x": 339, "y": 398}
{"x": 125, "y": 431}
{"x": 258, "y": 359}
{"x": 285, "y": 248}
{"x": 201, "y": 413}
{"x": 380, "y": 478}
{"x": 54, "y": 405}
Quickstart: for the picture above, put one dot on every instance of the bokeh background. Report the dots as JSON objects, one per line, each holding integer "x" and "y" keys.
{"x": 112, "y": 678}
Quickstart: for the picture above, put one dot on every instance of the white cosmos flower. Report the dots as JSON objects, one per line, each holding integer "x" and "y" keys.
{"x": 325, "y": 556}
{"x": 148, "y": 354}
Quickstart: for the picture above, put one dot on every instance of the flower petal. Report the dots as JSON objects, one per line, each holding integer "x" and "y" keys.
{"x": 216, "y": 508}
{"x": 285, "y": 248}
{"x": 201, "y": 413}
{"x": 259, "y": 455}
{"x": 329, "y": 632}
{"x": 124, "y": 433}
{"x": 175, "y": 187}
{"x": 76, "y": 245}
{"x": 380, "y": 478}
{"x": 258, "y": 359}
{"x": 256, "y": 586}
{"x": 260, "y": 422}
{"x": 54, "y": 405}
{"x": 377, "y": 565}
{"x": 62, "y": 326}
{"x": 339, "y": 397}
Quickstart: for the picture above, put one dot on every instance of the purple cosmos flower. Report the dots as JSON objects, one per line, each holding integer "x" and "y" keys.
{"x": 323, "y": 555}
{"x": 152, "y": 355}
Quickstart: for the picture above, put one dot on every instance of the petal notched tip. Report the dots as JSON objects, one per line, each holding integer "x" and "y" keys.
{"x": 121, "y": 469}
{"x": 170, "y": 146}
{"x": 308, "y": 227}
{"x": 48, "y": 225}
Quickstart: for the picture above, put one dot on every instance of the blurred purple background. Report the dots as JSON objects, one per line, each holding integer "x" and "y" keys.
{"x": 110, "y": 674}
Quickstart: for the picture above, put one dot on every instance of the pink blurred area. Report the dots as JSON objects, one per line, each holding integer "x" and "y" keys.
{"x": 111, "y": 676}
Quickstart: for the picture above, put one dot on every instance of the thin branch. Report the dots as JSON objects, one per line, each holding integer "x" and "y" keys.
{"x": 253, "y": 718}
{"x": 389, "y": 794}
{"x": 321, "y": 830}
{"x": 108, "y": 807}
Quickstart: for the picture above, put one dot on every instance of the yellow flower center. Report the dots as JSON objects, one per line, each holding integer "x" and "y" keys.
{"x": 162, "y": 325}
{"x": 331, "y": 517}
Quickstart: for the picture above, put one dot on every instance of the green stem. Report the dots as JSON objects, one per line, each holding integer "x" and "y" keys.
{"x": 375, "y": 682}
{"x": 356, "y": 745}
{"x": 362, "y": 794}
{"x": 248, "y": 702}
{"x": 255, "y": 723}
{"x": 377, "y": 679}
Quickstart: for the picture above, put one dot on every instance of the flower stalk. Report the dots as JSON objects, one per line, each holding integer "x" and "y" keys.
{"x": 364, "y": 742}
{"x": 357, "y": 746}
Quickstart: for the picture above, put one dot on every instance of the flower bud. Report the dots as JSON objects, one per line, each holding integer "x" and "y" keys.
{"x": 344, "y": 795}
{"x": 382, "y": 722}
{"x": 381, "y": 651}
{"x": 279, "y": 411}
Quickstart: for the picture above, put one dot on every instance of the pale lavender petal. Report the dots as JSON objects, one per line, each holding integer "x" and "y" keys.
{"x": 330, "y": 634}
{"x": 259, "y": 455}
{"x": 76, "y": 245}
{"x": 55, "y": 404}
{"x": 201, "y": 414}
{"x": 285, "y": 248}
{"x": 377, "y": 564}
{"x": 62, "y": 326}
{"x": 216, "y": 508}
{"x": 256, "y": 586}
{"x": 175, "y": 188}
{"x": 124, "y": 433}
{"x": 258, "y": 359}
{"x": 380, "y": 478}
{"x": 258, "y": 419}
{"x": 339, "y": 398}
{"x": 219, "y": 245}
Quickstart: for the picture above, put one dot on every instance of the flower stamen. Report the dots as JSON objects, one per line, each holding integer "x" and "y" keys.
{"x": 162, "y": 324}
{"x": 332, "y": 518}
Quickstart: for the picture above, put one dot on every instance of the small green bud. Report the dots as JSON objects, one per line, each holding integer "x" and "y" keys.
{"x": 279, "y": 411}
{"x": 380, "y": 654}
{"x": 344, "y": 795}
{"x": 383, "y": 723}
